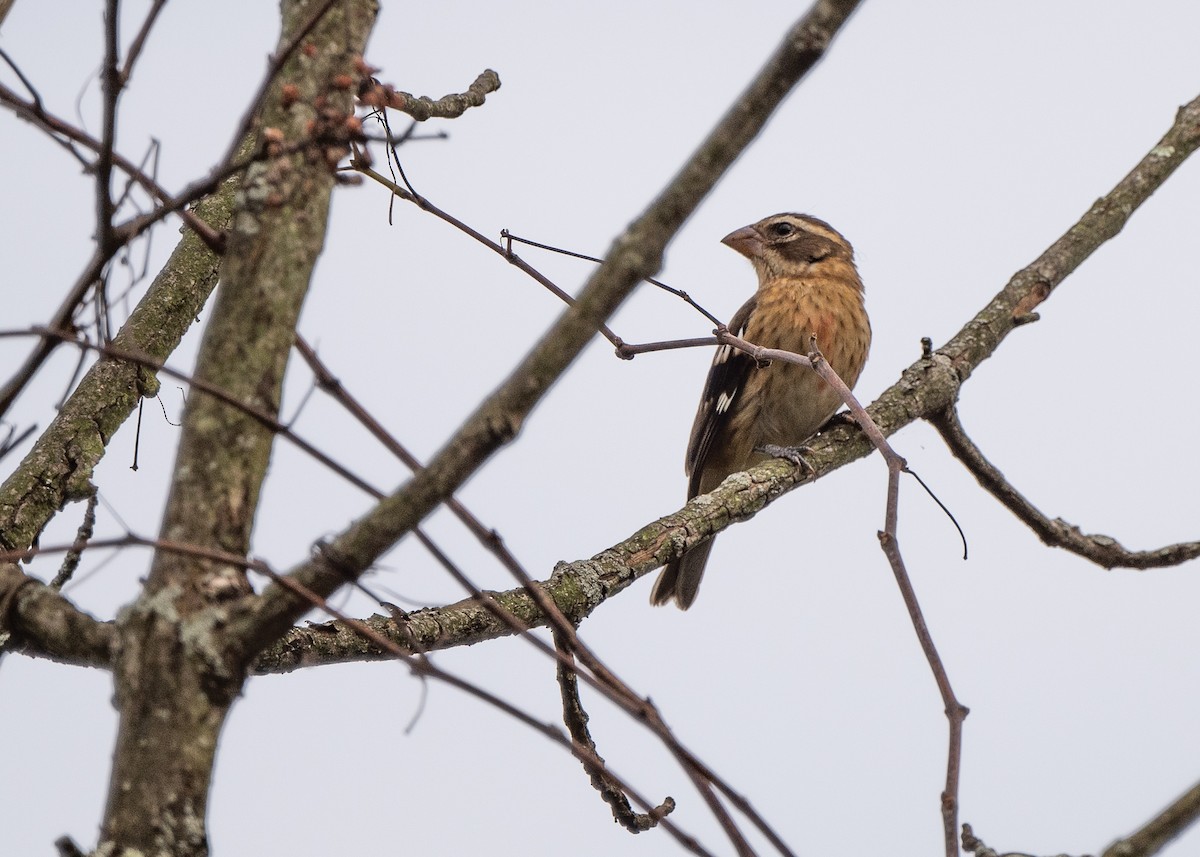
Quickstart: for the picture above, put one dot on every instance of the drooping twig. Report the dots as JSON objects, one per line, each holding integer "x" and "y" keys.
{"x": 575, "y": 717}
{"x": 71, "y": 561}
{"x": 888, "y": 540}
{"x": 567, "y": 641}
{"x": 1105, "y": 551}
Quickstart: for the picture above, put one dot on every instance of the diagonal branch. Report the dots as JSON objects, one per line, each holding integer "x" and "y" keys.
{"x": 58, "y": 469}
{"x": 1160, "y": 830}
{"x": 925, "y": 388}
{"x": 636, "y": 254}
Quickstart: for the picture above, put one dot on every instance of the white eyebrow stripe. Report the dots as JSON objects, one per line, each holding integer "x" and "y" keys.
{"x": 815, "y": 229}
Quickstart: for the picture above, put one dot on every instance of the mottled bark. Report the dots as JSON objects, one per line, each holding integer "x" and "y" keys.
{"x": 176, "y": 674}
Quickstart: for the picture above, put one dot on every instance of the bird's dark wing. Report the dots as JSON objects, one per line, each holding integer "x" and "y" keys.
{"x": 726, "y": 379}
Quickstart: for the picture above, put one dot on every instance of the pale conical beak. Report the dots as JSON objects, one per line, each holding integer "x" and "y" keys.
{"x": 745, "y": 240}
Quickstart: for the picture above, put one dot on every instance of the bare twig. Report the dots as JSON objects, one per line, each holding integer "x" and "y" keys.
{"x": 420, "y": 108}
{"x": 627, "y": 351}
{"x": 575, "y": 717}
{"x": 62, "y": 321}
{"x": 508, "y": 238}
{"x": 636, "y": 254}
{"x": 34, "y": 95}
{"x": 425, "y": 205}
{"x": 87, "y": 528}
{"x": 1105, "y": 551}
{"x": 12, "y": 440}
{"x": 111, "y": 83}
{"x": 139, "y": 41}
{"x": 955, "y": 711}
{"x": 62, "y": 130}
{"x": 267, "y": 420}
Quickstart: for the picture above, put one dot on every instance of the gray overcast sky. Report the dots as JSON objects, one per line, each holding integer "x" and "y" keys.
{"x": 951, "y": 143}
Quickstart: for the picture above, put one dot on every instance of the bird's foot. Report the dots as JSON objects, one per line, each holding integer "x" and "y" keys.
{"x": 794, "y": 454}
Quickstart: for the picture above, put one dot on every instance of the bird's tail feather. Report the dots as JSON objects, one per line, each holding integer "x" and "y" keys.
{"x": 680, "y": 580}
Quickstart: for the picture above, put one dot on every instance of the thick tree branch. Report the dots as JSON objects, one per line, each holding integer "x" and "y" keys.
{"x": 636, "y": 254}
{"x": 44, "y": 623}
{"x": 59, "y": 468}
{"x": 175, "y": 675}
{"x": 925, "y": 388}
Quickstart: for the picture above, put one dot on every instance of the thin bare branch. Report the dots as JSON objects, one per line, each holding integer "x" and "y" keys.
{"x": 636, "y": 254}
{"x": 575, "y": 718}
{"x": 956, "y": 712}
{"x": 139, "y": 41}
{"x": 425, "y": 205}
{"x": 111, "y": 83}
{"x": 508, "y": 238}
{"x": 421, "y": 107}
{"x": 62, "y": 130}
{"x": 1105, "y": 551}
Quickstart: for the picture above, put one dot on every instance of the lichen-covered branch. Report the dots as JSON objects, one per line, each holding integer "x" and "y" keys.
{"x": 421, "y": 107}
{"x": 925, "y": 389}
{"x": 175, "y": 673}
{"x": 37, "y": 620}
{"x": 636, "y": 254}
{"x": 59, "y": 468}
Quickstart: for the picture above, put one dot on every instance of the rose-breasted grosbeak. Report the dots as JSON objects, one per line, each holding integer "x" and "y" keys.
{"x": 807, "y": 286}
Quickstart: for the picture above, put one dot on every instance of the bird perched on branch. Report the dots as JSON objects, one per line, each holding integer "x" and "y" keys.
{"x": 807, "y": 286}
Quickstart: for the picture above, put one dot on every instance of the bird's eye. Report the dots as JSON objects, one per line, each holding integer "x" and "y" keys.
{"x": 782, "y": 229}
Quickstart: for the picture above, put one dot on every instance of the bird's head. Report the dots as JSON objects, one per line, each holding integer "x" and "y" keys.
{"x": 789, "y": 243}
